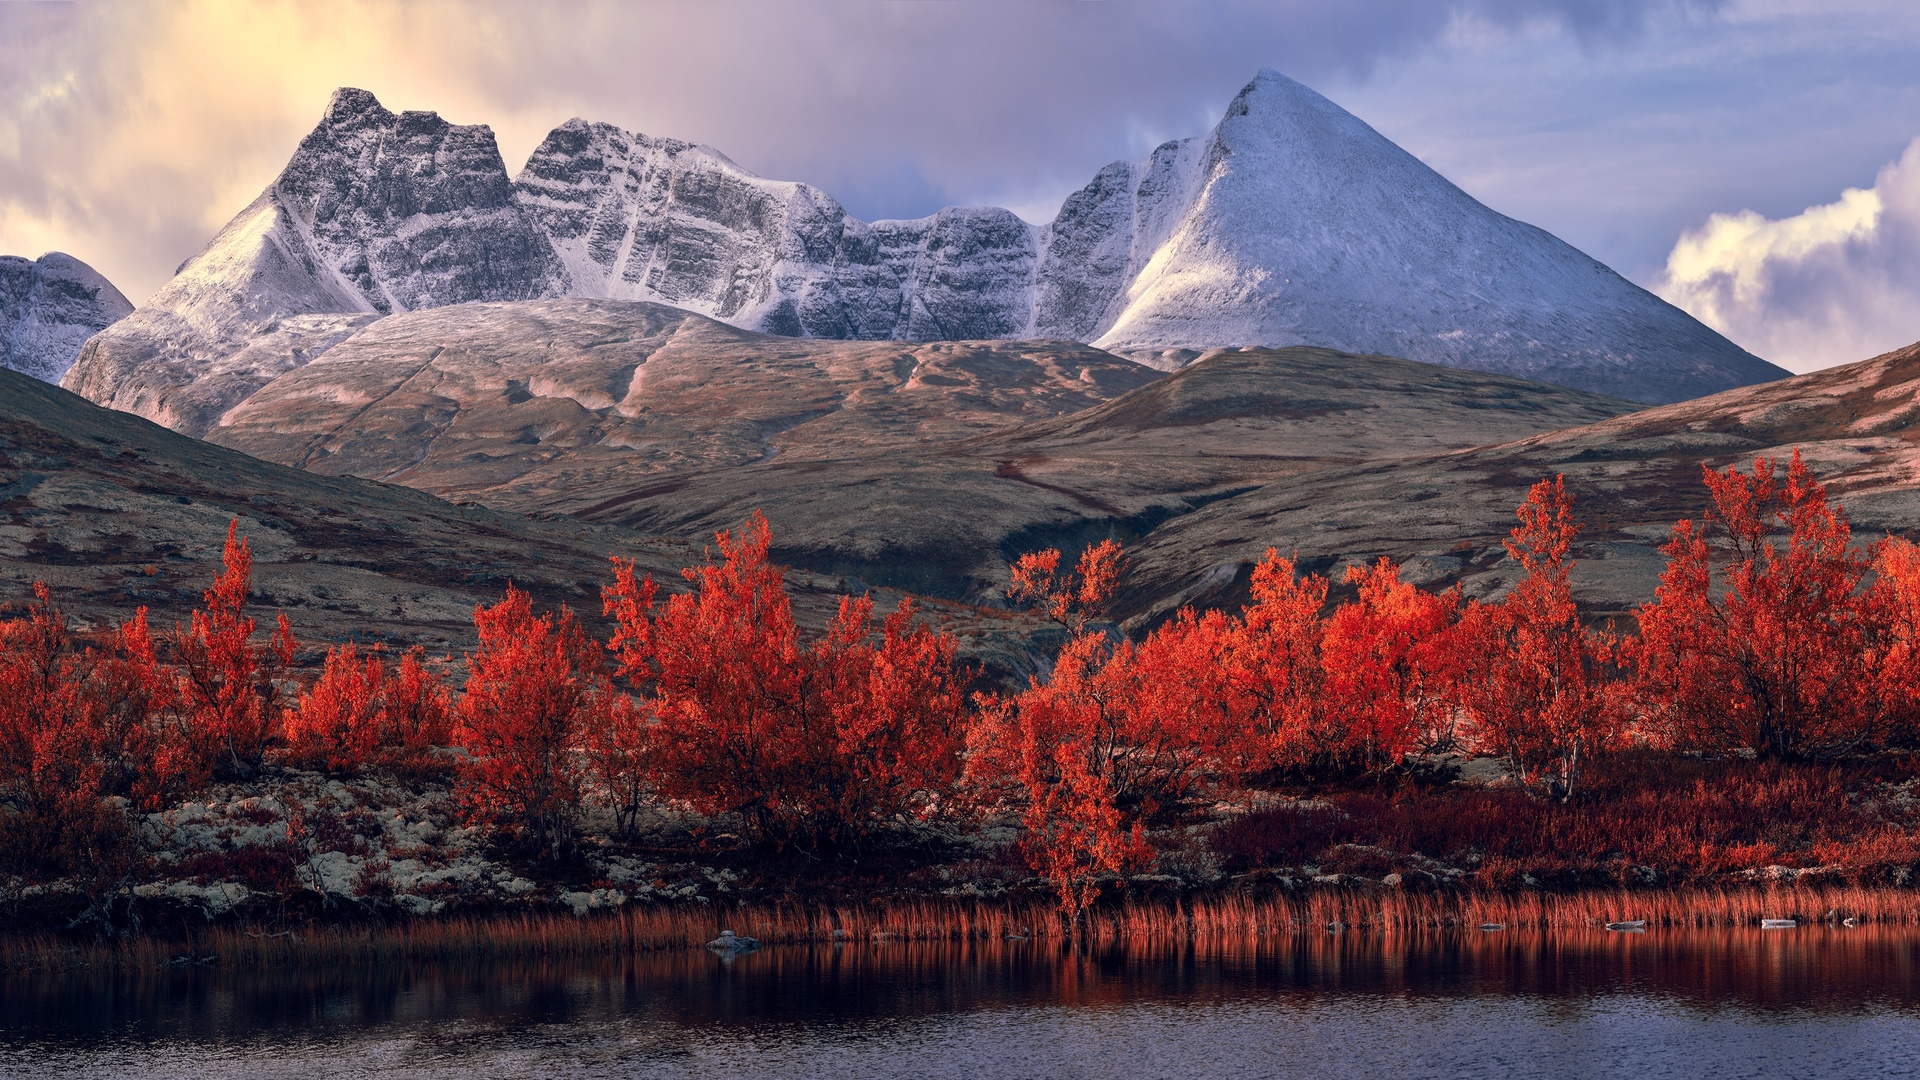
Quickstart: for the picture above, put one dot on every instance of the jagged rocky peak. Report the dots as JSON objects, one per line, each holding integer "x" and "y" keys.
{"x": 375, "y": 213}
{"x": 1292, "y": 222}
{"x": 49, "y": 307}
{"x": 634, "y": 217}
{"x": 410, "y": 211}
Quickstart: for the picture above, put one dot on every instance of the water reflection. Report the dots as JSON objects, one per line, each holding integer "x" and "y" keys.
{"x": 1813, "y": 1001}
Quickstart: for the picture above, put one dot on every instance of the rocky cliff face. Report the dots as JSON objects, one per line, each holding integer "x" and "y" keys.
{"x": 638, "y": 218}
{"x": 376, "y": 213}
{"x": 49, "y": 307}
{"x": 1291, "y": 223}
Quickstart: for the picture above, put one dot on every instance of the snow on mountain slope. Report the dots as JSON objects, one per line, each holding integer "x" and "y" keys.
{"x": 375, "y": 213}
{"x": 640, "y": 218}
{"x": 49, "y": 307}
{"x": 1305, "y": 226}
{"x": 1291, "y": 223}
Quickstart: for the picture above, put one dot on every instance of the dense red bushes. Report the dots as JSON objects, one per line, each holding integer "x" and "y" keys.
{"x": 1772, "y": 635}
{"x": 534, "y": 690}
{"x": 814, "y": 744}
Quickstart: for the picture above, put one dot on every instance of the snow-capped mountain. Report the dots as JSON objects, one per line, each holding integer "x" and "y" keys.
{"x": 49, "y": 307}
{"x": 376, "y": 213}
{"x": 1296, "y": 223}
{"x": 1292, "y": 222}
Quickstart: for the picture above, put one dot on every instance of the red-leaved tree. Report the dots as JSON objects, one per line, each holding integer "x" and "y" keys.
{"x": 1534, "y": 679}
{"x": 1767, "y": 657}
{"x": 227, "y": 686}
{"x": 811, "y": 745}
{"x": 534, "y": 689}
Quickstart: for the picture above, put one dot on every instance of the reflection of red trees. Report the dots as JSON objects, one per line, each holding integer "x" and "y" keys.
{"x": 1771, "y": 632}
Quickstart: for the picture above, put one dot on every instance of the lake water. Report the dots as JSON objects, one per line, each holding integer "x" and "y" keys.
{"x": 1811, "y": 1002}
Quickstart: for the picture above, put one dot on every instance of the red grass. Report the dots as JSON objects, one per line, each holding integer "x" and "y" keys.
{"x": 1689, "y": 821}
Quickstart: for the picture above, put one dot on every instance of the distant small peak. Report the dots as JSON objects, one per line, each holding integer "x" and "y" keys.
{"x": 349, "y": 102}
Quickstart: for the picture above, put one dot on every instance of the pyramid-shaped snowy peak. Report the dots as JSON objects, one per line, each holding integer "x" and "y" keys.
{"x": 1292, "y": 222}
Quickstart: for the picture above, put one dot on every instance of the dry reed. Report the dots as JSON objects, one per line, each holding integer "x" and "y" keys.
{"x": 1222, "y": 919}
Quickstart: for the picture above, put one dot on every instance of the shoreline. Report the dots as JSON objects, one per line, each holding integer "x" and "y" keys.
{"x": 1200, "y": 919}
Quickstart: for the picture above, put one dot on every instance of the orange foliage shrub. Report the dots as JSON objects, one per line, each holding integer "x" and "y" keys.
{"x": 534, "y": 688}
{"x": 1389, "y": 660}
{"x": 1533, "y": 679}
{"x": 812, "y": 745}
{"x": 75, "y": 727}
{"x": 359, "y": 712}
{"x": 1068, "y": 598}
{"x": 1276, "y": 664}
{"x": 228, "y": 688}
{"x": 1089, "y": 759}
{"x": 1781, "y": 658}
{"x": 334, "y": 723}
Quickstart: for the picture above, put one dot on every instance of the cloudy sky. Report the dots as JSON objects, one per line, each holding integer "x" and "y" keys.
{"x": 1752, "y": 160}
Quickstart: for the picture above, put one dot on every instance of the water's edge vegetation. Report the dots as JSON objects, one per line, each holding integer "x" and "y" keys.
{"x": 1200, "y": 920}
{"x": 1399, "y": 758}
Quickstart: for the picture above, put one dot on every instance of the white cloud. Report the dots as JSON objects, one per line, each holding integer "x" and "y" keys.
{"x": 1835, "y": 283}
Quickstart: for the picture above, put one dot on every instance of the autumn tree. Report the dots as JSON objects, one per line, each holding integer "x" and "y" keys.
{"x": 1388, "y": 656}
{"x": 228, "y": 686}
{"x": 1072, "y": 597}
{"x": 1533, "y": 681}
{"x": 815, "y": 745}
{"x": 1064, "y": 747}
{"x": 361, "y": 711}
{"x": 534, "y": 688}
{"x": 74, "y": 727}
{"x": 1764, "y": 654}
{"x": 1891, "y": 663}
{"x": 335, "y": 723}
{"x": 416, "y": 718}
{"x": 1277, "y": 662}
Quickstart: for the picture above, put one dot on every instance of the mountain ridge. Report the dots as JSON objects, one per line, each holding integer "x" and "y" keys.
{"x": 1288, "y": 224}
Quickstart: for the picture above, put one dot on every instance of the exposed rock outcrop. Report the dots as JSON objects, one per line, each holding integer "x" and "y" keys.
{"x": 376, "y": 213}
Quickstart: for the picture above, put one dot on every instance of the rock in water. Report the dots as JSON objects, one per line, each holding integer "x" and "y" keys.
{"x": 49, "y": 307}
{"x": 730, "y": 942}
